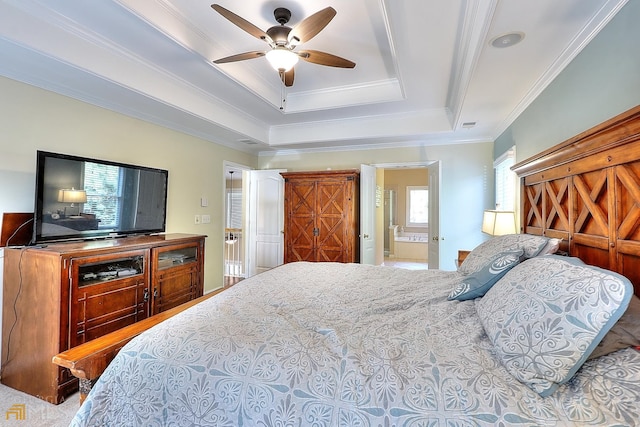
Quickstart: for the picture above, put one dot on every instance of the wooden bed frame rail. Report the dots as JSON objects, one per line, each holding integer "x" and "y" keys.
{"x": 87, "y": 361}
{"x": 586, "y": 191}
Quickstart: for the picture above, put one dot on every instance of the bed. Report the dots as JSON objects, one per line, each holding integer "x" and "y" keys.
{"x": 342, "y": 345}
{"x": 518, "y": 335}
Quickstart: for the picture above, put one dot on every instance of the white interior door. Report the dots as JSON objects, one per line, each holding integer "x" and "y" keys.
{"x": 265, "y": 220}
{"x": 434, "y": 215}
{"x": 367, "y": 214}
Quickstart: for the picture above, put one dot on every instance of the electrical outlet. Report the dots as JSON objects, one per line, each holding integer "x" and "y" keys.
{"x": 206, "y": 219}
{"x": 196, "y": 219}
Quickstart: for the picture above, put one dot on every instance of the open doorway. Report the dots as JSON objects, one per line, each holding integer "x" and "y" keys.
{"x": 406, "y": 219}
{"x": 413, "y": 226}
{"x": 233, "y": 249}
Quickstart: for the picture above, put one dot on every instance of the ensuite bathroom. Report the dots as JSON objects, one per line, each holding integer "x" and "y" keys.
{"x": 405, "y": 203}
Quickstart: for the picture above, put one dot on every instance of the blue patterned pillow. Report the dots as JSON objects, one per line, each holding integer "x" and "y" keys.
{"x": 477, "y": 284}
{"x": 484, "y": 253}
{"x": 547, "y": 314}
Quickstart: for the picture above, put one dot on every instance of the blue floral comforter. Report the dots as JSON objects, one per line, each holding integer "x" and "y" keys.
{"x": 325, "y": 344}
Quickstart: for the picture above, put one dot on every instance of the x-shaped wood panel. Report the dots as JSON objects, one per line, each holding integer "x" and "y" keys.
{"x": 534, "y": 198}
{"x": 590, "y": 207}
{"x": 331, "y": 199}
{"x": 302, "y": 199}
{"x": 330, "y": 219}
{"x": 559, "y": 211}
{"x": 300, "y": 220}
{"x": 628, "y": 221}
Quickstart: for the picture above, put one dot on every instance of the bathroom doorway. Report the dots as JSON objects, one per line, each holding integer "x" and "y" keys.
{"x": 406, "y": 236}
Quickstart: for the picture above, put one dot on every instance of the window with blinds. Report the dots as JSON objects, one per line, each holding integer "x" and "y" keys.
{"x": 505, "y": 181}
{"x": 103, "y": 184}
{"x": 234, "y": 209}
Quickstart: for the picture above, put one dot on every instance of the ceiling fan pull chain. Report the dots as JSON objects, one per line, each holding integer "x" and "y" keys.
{"x": 283, "y": 92}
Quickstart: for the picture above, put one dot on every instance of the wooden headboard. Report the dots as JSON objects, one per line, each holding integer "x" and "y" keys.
{"x": 586, "y": 190}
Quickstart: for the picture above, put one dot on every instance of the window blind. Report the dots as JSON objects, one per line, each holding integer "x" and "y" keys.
{"x": 505, "y": 181}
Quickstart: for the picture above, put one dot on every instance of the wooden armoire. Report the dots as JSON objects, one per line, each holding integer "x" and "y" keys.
{"x": 321, "y": 216}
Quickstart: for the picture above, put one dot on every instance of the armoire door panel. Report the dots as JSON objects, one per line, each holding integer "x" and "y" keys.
{"x": 299, "y": 220}
{"x": 298, "y": 253}
{"x": 334, "y": 241}
{"x": 331, "y": 198}
{"x": 329, "y": 255}
{"x": 301, "y": 197}
{"x": 301, "y": 230}
{"x": 329, "y": 225}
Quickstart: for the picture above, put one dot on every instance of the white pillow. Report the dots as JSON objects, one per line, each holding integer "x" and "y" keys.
{"x": 551, "y": 248}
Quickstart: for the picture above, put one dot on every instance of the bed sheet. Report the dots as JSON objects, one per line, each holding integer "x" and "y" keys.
{"x": 325, "y": 344}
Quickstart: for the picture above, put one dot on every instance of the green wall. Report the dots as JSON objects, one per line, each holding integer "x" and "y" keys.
{"x": 33, "y": 119}
{"x": 601, "y": 82}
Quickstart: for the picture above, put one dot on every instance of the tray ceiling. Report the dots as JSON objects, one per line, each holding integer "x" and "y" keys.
{"x": 426, "y": 72}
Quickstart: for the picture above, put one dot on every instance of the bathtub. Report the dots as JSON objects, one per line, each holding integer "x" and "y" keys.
{"x": 412, "y": 239}
{"x": 413, "y": 246}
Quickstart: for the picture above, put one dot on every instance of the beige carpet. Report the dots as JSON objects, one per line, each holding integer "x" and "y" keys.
{"x": 22, "y": 410}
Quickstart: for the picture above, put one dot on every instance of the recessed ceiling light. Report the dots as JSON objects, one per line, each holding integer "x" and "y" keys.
{"x": 507, "y": 40}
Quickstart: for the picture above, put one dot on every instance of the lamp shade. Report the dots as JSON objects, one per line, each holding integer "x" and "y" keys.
{"x": 282, "y": 58}
{"x": 72, "y": 196}
{"x": 498, "y": 223}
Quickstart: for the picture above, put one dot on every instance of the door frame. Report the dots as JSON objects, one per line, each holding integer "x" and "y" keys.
{"x": 434, "y": 209}
{"x": 226, "y": 167}
{"x": 368, "y": 184}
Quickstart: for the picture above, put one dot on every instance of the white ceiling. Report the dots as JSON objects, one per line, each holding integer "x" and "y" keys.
{"x": 424, "y": 68}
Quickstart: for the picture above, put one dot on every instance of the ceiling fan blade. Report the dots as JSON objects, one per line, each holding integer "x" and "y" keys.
{"x": 311, "y": 25}
{"x": 241, "y": 22}
{"x": 323, "y": 58}
{"x": 287, "y": 77}
{"x": 240, "y": 57}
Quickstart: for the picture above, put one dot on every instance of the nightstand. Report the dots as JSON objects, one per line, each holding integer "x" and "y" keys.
{"x": 461, "y": 257}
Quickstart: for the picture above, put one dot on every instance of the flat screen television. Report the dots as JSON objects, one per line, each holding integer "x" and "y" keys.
{"x": 79, "y": 198}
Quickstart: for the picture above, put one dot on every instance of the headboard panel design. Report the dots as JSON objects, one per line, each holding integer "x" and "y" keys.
{"x": 586, "y": 191}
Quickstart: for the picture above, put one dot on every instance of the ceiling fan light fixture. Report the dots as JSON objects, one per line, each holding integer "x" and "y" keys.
{"x": 282, "y": 58}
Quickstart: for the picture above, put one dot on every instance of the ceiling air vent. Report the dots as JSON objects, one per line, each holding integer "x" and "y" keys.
{"x": 468, "y": 125}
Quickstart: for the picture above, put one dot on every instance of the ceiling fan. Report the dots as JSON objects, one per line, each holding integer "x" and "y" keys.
{"x": 283, "y": 40}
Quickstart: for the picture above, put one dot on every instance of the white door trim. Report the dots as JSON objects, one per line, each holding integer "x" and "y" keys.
{"x": 434, "y": 209}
